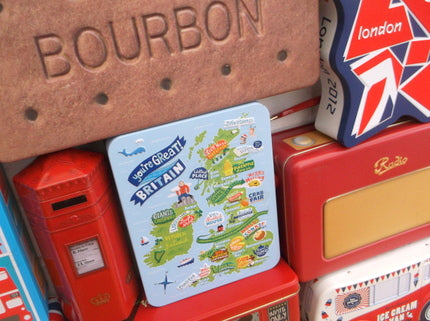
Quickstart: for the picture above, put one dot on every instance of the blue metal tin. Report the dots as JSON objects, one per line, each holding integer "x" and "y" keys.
{"x": 199, "y": 200}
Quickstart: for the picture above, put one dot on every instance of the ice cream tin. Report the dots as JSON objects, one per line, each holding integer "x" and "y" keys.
{"x": 393, "y": 286}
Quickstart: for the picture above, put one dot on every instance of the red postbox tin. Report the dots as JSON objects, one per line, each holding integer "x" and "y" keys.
{"x": 338, "y": 206}
{"x": 270, "y": 295}
{"x": 69, "y": 200}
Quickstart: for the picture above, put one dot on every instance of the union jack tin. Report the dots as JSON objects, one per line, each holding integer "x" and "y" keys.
{"x": 374, "y": 66}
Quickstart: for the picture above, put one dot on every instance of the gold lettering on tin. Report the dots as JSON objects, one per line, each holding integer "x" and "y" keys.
{"x": 384, "y": 164}
{"x": 100, "y": 299}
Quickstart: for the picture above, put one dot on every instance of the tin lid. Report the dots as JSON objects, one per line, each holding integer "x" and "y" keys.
{"x": 61, "y": 173}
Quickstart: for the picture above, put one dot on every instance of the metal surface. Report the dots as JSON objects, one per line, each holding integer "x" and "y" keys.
{"x": 73, "y": 72}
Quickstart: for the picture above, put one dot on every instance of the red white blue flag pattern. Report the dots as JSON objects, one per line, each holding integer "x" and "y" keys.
{"x": 380, "y": 53}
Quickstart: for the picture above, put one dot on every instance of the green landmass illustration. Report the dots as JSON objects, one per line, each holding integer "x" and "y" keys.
{"x": 171, "y": 239}
{"x": 222, "y": 194}
{"x": 237, "y": 261}
{"x": 197, "y": 141}
{"x": 250, "y": 253}
{"x": 231, "y": 231}
{"x": 173, "y": 227}
{"x": 217, "y": 163}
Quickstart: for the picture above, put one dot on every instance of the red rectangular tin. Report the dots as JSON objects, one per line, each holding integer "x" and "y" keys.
{"x": 270, "y": 295}
{"x": 338, "y": 206}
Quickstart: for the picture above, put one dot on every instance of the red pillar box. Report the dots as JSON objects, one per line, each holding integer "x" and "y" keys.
{"x": 72, "y": 209}
{"x": 270, "y": 295}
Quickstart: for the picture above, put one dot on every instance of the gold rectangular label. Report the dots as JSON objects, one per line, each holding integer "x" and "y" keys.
{"x": 376, "y": 212}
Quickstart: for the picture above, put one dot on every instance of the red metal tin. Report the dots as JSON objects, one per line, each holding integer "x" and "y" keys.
{"x": 270, "y": 295}
{"x": 338, "y": 206}
{"x": 72, "y": 209}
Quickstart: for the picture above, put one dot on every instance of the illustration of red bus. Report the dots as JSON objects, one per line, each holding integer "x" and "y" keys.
{"x": 12, "y": 307}
{"x": 394, "y": 286}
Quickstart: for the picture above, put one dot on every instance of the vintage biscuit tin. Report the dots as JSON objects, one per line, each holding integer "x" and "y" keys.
{"x": 393, "y": 286}
{"x": 199, "y": 200}
{"x": 338, "y": 205}
{"x": 82, "y": 71}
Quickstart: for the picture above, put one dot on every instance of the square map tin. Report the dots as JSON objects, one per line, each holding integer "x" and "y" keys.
{"x": 199, "y": 200}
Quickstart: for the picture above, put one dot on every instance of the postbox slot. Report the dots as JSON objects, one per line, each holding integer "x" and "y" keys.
{"x": 69, "y": 202}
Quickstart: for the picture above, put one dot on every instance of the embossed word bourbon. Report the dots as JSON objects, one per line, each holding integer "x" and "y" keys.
{"x": 150, "y": 35}
{"x": 90, "y": 70}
